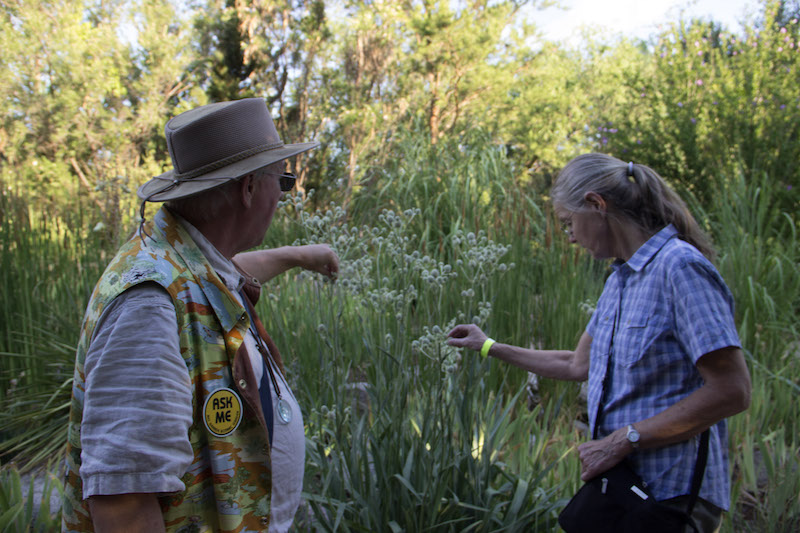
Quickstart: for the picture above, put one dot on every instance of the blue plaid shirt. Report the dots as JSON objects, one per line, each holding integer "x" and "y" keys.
{"x": 674, "y": 308}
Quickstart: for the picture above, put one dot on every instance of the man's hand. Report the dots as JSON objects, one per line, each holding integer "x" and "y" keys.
{"x": 126, "y": 513}
{"x": 319, "y": 258}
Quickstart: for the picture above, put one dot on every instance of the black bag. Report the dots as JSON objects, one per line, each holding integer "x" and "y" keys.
{"x": 618, "y": 501}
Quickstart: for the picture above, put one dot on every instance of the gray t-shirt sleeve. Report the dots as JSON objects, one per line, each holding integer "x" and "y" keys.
{"x": 138, "y": 400}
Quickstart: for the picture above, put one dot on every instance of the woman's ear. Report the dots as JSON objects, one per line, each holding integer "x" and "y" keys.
{"x": 596, "y": 201}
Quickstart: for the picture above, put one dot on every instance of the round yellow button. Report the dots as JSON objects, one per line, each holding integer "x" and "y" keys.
{"x": 222, "y": 412}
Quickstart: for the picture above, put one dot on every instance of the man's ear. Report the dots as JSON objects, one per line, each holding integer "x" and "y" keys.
{"x": 596, "y": 201}
{"x": 247, "y": 189}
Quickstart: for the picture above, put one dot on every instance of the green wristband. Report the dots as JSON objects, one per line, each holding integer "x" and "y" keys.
{"x": 485, "y": 348}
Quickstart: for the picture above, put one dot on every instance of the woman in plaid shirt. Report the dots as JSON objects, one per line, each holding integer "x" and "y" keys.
{"x": 666, "y": 320}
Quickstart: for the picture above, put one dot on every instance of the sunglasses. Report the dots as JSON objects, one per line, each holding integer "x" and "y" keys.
{"x": 286, "y": 180}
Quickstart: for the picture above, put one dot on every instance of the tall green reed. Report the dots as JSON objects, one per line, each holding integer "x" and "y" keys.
{"x": 759, "y": 258}
{"x": 769, "y": 491}
{"x": 463, "y": 182}
{"x": 47, "y": 269}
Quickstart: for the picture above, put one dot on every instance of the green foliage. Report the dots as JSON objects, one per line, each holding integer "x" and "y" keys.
{"x": 46, "y": 274}
{"x": 268, "y": 49}
{"x": 442, "y": 460}
{"x": 769, "y": 498}
{"x": 80, "y": 107}
{"x": 712, "y": 102}
{"x": 443, "y": 68}
{"x": 19, "y": 512}
{"x": 563, "y": 104}
{"x": 463, "y": 182}
{"x": 759, "y": 259}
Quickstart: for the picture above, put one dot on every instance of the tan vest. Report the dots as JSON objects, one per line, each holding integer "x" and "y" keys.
{"x": 228, "y": 485}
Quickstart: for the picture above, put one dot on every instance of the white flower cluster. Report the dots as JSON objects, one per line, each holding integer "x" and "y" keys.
{"x": 484, "y": 310}
{"x": 390, "y": 300}
{"x": 322, "y": 226}
{"x": 381, "y": 266}
{"x": 478, "y": 257}
{"x": 435, "y": 274}
{"x": 433, "y": 345}
{"x": 588, "y": 307}
{"x": 327, "y": 413}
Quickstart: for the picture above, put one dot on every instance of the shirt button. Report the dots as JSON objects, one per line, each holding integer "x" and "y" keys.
{"x": 243, "y": 383}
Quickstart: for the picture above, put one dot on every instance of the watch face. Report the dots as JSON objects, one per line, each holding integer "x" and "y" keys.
{"x": 633, "y": 435}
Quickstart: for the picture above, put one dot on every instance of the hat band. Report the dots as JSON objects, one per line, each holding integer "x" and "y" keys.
{"x": 205, "y": 169}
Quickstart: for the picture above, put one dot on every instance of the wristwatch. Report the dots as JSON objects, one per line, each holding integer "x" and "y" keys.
{"x": 633, "y": 437}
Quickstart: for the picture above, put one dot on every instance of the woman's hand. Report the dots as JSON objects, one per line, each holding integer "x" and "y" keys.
{"x": 597, "y": 456}
{"x": 467, "y": 336}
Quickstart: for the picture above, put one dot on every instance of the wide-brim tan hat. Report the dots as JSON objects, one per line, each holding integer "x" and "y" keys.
{"x": 216, "y": 143}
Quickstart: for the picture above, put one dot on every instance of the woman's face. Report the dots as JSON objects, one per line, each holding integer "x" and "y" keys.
{"x": 589, "y": 228}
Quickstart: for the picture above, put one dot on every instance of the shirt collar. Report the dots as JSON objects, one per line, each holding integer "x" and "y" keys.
{"x": 223, "y": 266}
{"x": 649, "y": 249}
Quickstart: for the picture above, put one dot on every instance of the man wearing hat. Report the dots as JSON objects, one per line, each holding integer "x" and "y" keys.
{"x": 182, "y": 418}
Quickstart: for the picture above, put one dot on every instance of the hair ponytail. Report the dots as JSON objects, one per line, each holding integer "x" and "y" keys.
{"x": 634, "y": 191}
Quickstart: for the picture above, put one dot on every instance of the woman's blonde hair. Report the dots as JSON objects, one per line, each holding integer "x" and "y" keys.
{"x": 634, "y": 192}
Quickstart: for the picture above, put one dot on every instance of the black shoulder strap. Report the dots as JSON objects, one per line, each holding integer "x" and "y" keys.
{"x": 699, "y": 471}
